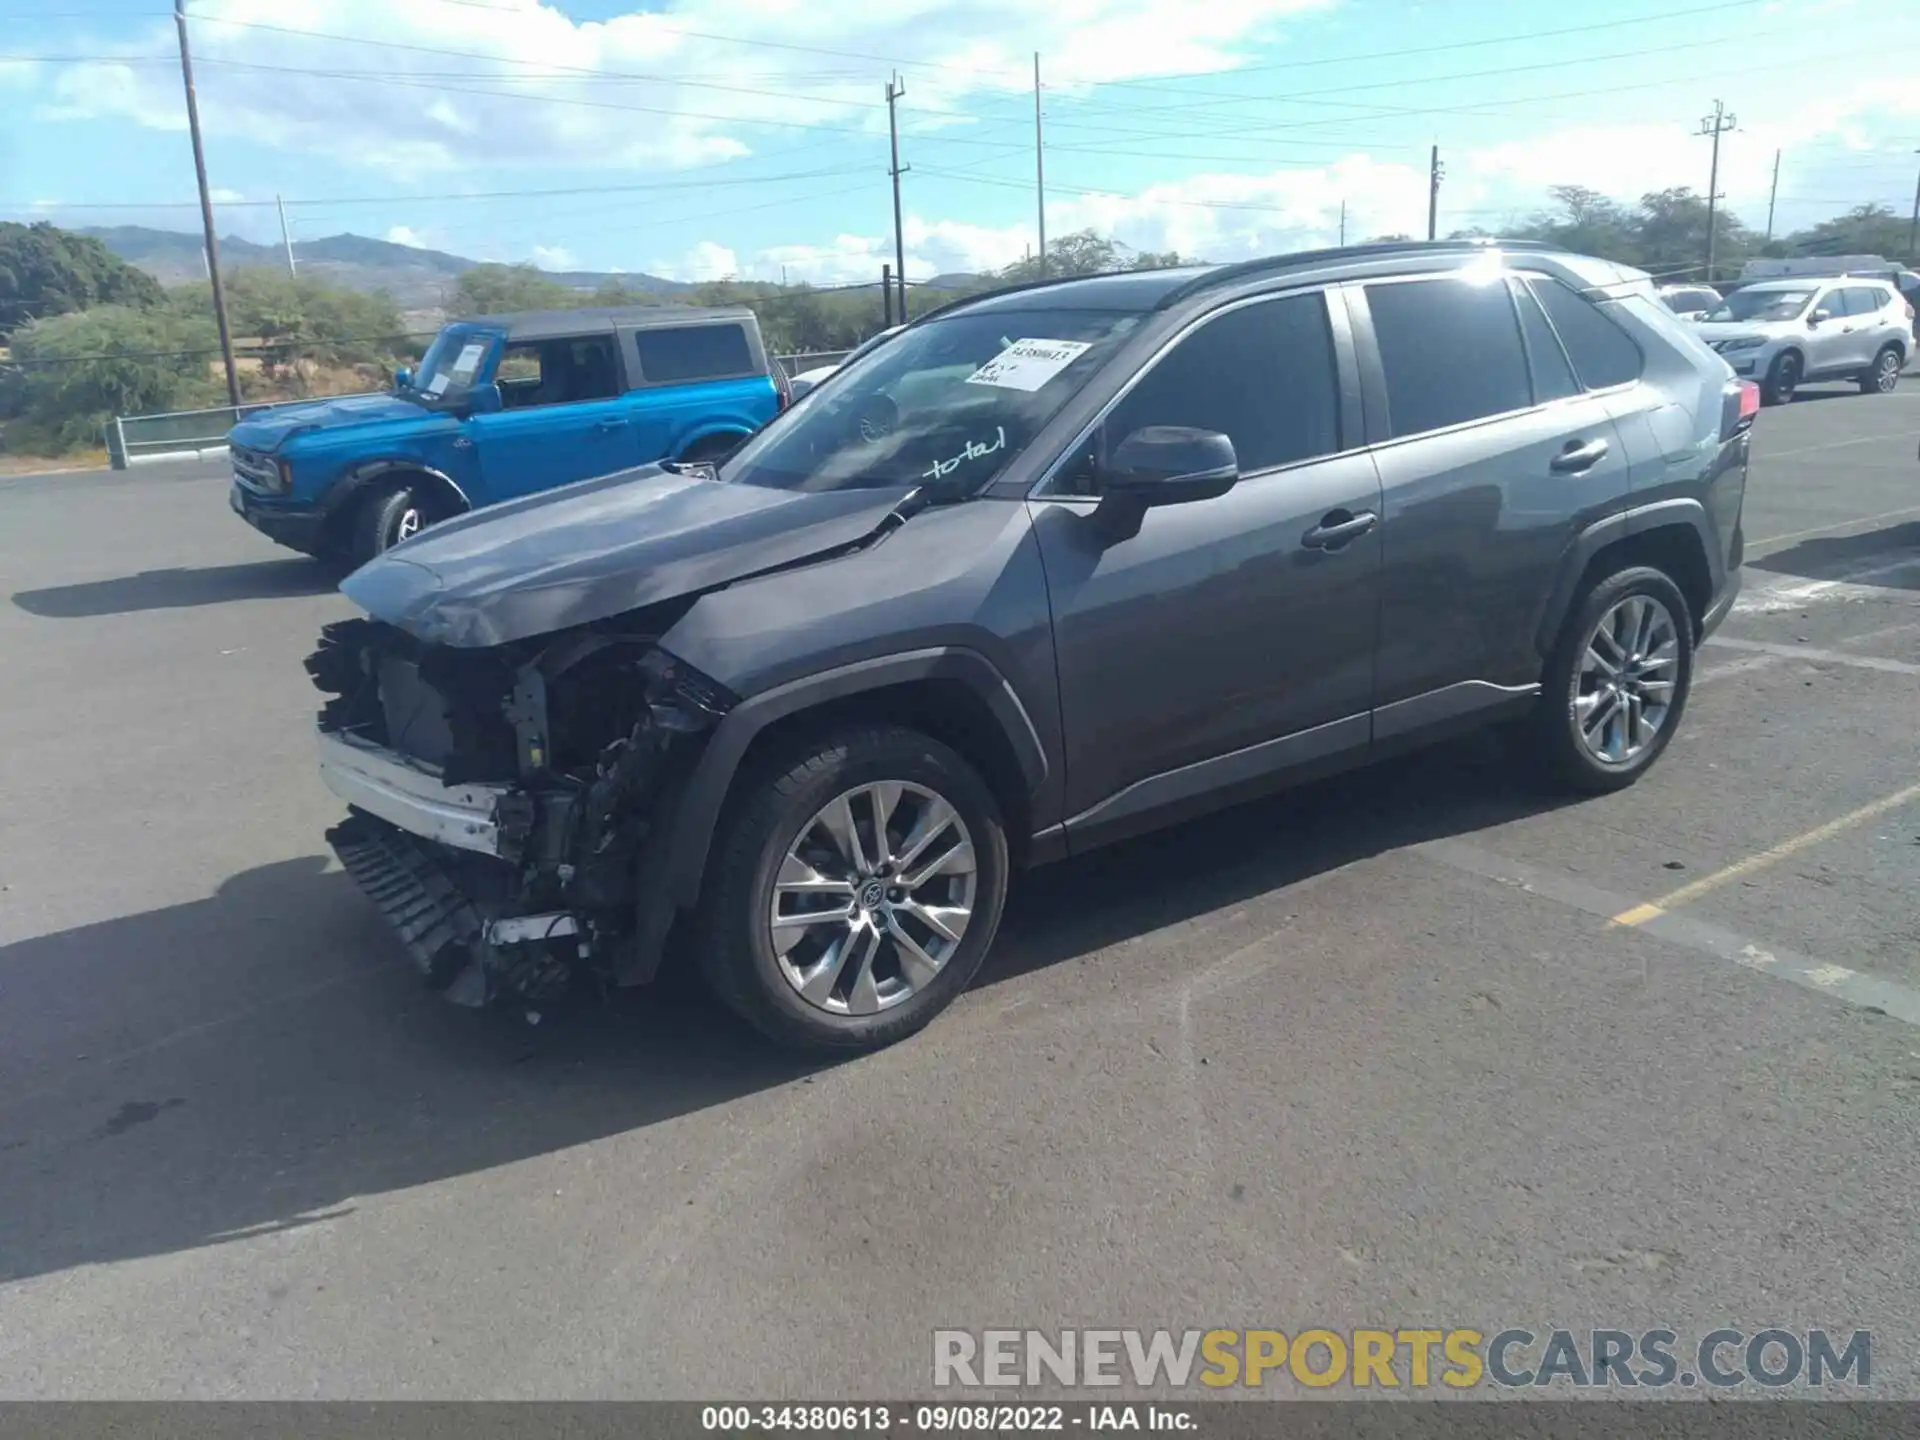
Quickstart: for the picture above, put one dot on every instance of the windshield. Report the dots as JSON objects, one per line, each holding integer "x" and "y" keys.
{"x": 446, "y": 371}
{"x": 951, "y": 401}
{"x": 1762, "y": 305}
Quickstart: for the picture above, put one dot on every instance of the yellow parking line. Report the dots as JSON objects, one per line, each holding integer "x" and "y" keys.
{"x": 1640, "y": 914}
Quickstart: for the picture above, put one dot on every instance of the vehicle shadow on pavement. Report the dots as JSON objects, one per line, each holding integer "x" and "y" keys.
{"x": 1087, "y": 903}
{"x": 177, "y": 589}
{"x": 1829, "y": 557}
{"x": 259, "y": 1060}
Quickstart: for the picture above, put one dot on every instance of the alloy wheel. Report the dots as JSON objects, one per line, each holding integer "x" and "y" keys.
{"x": 1626, "y": 680}
{"x": 408, "y": 524}
{"x": 1886, "y": 373}
{"x": 873, "y": 898}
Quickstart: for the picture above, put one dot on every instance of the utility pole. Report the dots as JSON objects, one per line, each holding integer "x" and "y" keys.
{"x": 1435, "y": 172}
{"x": 1343, "y": 223}
{"x": 1039, "y": 166}
{"x": 886, "y": 295}
{"x": 206, "y": 205}
{"x": 1773, "y": 193}
{"x": 286, "y": 236}
{"x": 895, "y": 89}
{"x": 1913, "y": 225}
{"x": 1714, "y": 126}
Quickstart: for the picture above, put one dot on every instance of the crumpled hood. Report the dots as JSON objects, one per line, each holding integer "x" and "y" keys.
{"x": 602, "y": 547}
{"x": 267, "y": 429}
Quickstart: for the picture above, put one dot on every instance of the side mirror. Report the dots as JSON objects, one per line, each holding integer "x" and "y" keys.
{"x": 483, "y": 400}
{"x": 1170, "y": 465}
{"x": 403, "y": 378}
{"x": 1819, "y": 317}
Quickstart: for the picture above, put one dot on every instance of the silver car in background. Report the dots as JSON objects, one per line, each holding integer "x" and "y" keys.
{"x": 1783, "y": 332}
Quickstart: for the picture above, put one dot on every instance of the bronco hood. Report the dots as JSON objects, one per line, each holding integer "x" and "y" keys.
{"x": 267, "y": 429}
{"x": 600, "y": 548}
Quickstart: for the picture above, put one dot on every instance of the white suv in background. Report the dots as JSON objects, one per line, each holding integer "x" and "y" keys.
{"x": 1783, "y": 332}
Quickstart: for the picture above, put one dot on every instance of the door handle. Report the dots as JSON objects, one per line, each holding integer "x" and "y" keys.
{"x": 610, "y": 425}
{"x": 1338, "y": 528}
{"x": 1579, "y": 455}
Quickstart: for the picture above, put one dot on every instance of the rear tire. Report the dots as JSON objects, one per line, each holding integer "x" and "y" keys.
{"x": 385, "y": 518}
{"x": 1783, "y": 377}
{"x": 1599, "y": 731}
{"x": 893, "y": 972}
{"x": 1883, "y": 376}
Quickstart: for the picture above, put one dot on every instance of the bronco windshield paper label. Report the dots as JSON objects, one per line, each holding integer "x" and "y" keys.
{"x": 468, "y": 362}
{"x": 1028, "y": 364}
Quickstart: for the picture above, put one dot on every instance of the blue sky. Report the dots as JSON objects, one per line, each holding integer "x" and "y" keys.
{"x": 707, "y": 138}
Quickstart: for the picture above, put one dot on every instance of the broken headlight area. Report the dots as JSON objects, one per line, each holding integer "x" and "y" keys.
{"x": 507, "y": 805}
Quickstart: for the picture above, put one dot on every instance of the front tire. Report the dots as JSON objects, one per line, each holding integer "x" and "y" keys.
{"x": 857, "y": 885}
{"x": 1783, "y": 378}
{"x": 1616, "y": 686}
{"x": 384, "y": 519}
{"x": 1883, "y": 376}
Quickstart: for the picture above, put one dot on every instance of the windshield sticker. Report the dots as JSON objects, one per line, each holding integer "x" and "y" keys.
{"x": 976, "y": 450}
{"x": 468, "y": 362}
{"x": 1029, "y": 364}
{"x": 438, "y": 385}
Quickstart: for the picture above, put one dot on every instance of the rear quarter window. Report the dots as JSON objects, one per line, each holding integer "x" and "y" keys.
{"x": 693, "y": 352}
{"x": 1603, "y": 354}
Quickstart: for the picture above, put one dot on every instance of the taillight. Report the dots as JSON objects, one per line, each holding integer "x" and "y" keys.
{"x": 1739, "y": 405}
{"x": 783, "y": 388}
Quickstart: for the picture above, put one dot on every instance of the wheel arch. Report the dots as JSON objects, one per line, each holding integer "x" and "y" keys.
{"x": 953, "y": 694}
{"x": 712, "y": 435}
{"x": 1675, "y": 536}
{"x": 371, "y": 476}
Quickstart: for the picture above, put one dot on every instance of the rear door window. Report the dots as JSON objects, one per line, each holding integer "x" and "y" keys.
{"x": 1451, "y": 351}
{"x": 681, "y": 354}
{"x": 1863, "y": 300}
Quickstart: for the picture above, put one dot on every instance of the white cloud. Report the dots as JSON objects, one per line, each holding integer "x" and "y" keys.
{"x": 555, "y": 257}
{"x": 679, "y": 95}
{"x": 222, "y": 196}
{"x": 406, "y": 235}
{"x": 707, "y": 260}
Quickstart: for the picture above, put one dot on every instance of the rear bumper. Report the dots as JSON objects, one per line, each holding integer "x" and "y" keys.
{"x": 410, "y": 797}
{"x": 302, "y": 530}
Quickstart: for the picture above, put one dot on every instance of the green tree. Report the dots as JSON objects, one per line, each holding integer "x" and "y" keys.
{"x": 1863, "y": 230}
{"x": 46, "y": 271}
{"x": 1671, "y": 229}
{"x": 75, "y": 372}
{"x": 1588, "y": 223}
{"x": 301, "y": 317}
{"x": 504, "y": 289}
{"x": 1086, "y": 252}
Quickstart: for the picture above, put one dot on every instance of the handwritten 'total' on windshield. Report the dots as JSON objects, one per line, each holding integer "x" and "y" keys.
{"x": 1028, "y": 364}
{"x": 976, "y": 449}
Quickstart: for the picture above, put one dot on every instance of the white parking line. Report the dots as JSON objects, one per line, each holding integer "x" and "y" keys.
{"x": 1862, "y": 521}
{"x": 1778, "y": 595}
{"x": 1809, "y": 652}
{"x": 1853, "y": 987}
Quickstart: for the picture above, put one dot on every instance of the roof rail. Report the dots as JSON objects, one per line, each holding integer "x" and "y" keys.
{"x": 1246, "y": 269}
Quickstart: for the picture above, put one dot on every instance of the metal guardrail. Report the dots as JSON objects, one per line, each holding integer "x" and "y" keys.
{"x": 202, "y": 434}
{"x": 182, "y": 434}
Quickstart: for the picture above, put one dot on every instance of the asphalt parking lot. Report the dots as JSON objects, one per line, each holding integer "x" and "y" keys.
{"x": 1377, "y": 1052}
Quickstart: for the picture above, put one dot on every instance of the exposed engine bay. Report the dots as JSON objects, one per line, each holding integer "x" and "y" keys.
{"x": 508, "y": 803}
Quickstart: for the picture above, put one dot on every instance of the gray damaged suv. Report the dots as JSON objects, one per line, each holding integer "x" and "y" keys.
{"x": 1052, "y": 567}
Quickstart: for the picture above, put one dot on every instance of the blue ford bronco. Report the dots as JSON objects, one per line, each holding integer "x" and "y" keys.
{"x": 504, "y": 406}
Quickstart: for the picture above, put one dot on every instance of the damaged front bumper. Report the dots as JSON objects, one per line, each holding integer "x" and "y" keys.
{"x": 515, "y": 844}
